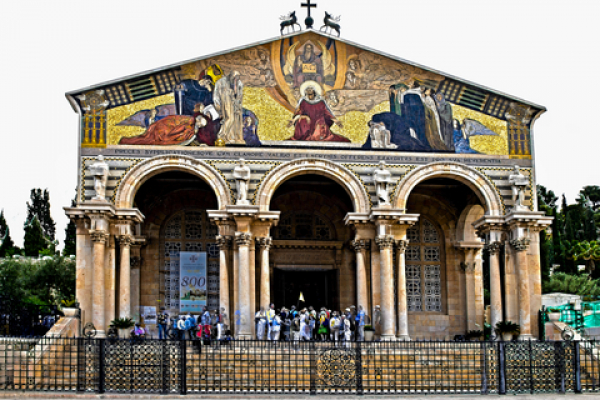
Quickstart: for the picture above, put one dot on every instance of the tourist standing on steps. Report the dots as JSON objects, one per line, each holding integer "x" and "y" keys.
{"x": 360, "y": 319}
{"x": 261, "y": 322}
{"x": 163, "y": 319}
{"x": 275, "y": 328}
{"x": 270, "y": 316}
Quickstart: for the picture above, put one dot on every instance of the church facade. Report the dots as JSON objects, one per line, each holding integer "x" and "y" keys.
{"x": 309, "y": 171}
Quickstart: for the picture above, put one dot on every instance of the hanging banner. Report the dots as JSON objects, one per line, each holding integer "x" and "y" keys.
{"x": 192, "y": 282}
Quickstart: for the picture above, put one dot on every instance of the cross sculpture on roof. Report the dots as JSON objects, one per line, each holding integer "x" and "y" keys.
{"x": 309, "y": 20}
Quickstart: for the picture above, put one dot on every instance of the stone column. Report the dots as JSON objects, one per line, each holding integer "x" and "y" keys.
{"x": 125, "y": 277}
{"x": 265, "y": 276}
{"x": 224, "y": 243}
{"x": 360, "y": 246}
{"x": 243, "y": 307}
{"x": 386, "y": 243}
{"x": 470, "y": 303}
{"x": 84, "y": 270}
{"x": 99, "y": 237}
{"x": 402, "y": 304}
{"x": 520, "y": 246}
{"x": 495, "y": 285}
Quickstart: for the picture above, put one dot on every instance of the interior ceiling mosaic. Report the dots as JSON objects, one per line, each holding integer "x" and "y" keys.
{"x": 305, "y": 90}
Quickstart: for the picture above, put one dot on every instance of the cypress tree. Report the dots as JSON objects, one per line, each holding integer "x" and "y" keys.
{"x": 40, "y": 208}
{"x": 70, "y": 239}
{"x": 34, "y": 241}
{"x": 6, "y": 243}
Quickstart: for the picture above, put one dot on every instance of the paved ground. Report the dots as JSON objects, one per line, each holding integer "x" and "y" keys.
{"x": 51, "y": 396}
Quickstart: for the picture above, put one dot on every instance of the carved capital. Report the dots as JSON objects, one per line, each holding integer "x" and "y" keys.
{"x": 98, "y": 236}
{"x": 224, "y": 242}
{"x": 135, "y": 262}
{"x": 360, "y": 245}
{"x": 520, "y": 244}
{"x": 494, "y": 247}
{"x": 264, "y": 242}
{"x": 385, "y": 241}
{"x": 401, "y": 245}
{"x": 468, "y": 266}
{"x": 125, "y": 240}
{"x": 243, "y": 239}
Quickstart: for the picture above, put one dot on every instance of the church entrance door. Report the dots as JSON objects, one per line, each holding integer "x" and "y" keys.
{"x": 318, "y": 287}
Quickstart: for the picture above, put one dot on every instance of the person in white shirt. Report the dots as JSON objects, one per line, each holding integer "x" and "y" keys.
{"x": 275, "y": 328}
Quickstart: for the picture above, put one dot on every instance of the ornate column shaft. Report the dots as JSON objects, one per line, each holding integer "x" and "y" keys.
{"x": 386, "y": 243}
{"x": 470, "y": 303}
{"x": 125, "y": 277}
{"x": 495, "y": 285}
{"x": 224, "y": 243}
{"x": 265, "y": 277}
{"x": 99, "y": 237}
{"x": 402, "y": 304}
{"x": 243, "y": 307}
{"x": 520, "y": 246}
{"x": 84, "y": 270}
{"x": 360, "y": 246}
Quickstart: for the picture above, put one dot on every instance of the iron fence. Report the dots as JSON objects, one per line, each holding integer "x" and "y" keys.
{"x": 22, "y": 319}
{"x": 193, "y": 366}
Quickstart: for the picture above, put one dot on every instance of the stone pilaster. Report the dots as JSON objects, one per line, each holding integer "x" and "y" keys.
{"x": 402, "y": 303}
{"x": 99, "y": 238}
{"x": 84, "y": 269}
{"x": 386, "y": 244}
{"x": 125, "y": 242}
{"x": 471, "y": 267}
{"x": 265, "y": 277}
{"x": 495, "y": 285}
{"x": 360, "y": 247}
{"x": 520, "y": 246}
{"x": 224, "y": 243}
{"x": 243, "y": 241}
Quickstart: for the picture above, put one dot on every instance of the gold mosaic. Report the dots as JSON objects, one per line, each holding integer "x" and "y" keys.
{"x": 114, "y": 133}
{"x": 492, "y": 145}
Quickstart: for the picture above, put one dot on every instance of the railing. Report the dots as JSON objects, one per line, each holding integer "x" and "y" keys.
{"x": 193, "y": 366}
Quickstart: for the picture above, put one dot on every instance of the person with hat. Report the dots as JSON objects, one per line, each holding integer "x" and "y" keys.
{"x": 163, "y": 319}
{"x": 334, "y": 327}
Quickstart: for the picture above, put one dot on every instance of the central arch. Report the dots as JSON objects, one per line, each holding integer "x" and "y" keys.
{"x": 475, "y": 180}
{"x": 145, "y": 170}
{"x": 351, "y": 184}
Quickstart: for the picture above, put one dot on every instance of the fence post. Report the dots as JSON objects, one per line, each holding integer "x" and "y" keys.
{"x": 577, "y": 361}
{"x": 484, "y": 367}
{"x": 182, "y": 371}
{"x": 501, "y": 368}
{"x": 80, "y": 364}
{"x": 359, "y": 382}
{"x": 101, "y": 365}
{"x": 313, "y": 384}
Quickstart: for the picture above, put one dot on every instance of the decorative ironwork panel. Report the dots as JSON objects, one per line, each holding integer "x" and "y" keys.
{"x": 173, "y": 228}
{"x": 430, "y": 233}
{"x": 413, "y": 253}
{"x": 172, "y": 249}
{"x": 336, "y": 368}
{"x": 193, "y": 246}
{"x": 193, "y": 225}
{"x": 432, "y": 253}
{"x": 213, "y": 250}
{"x": 413, "y": 234}
{"x": 413, "y": 287}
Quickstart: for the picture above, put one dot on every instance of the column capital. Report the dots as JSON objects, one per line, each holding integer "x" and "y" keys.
{"x": 98, "y": 235}
{"x": 361, "y": 244}
{"x": 125, "y": 240}
{"x": 494, "y": 247}
{"x": 385, "y": 241}
{"x": 468, "y": 266}
{"x": 243, "y": 239}
{"x": 136, "y": 262}
{"x": 401, "y": 245}
{"x": 264, "y": 242}
{"x": 224, "y": 242}
{"x": 520, "y": 244}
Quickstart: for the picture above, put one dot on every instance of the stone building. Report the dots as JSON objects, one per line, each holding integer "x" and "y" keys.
{"x": 311, "y": 208}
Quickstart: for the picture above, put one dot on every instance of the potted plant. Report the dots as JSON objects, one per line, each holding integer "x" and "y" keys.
{"x": 553, "y": 314}
{"x": 124, "y": 326}
{"x": 507, "y": 329}
{"x": 369, "y": 333}
{"x": 474, "y": 335}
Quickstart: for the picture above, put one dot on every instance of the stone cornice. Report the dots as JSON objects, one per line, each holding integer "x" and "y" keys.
{"x": 308, "y": 244}
{"x": 465, "y": 245}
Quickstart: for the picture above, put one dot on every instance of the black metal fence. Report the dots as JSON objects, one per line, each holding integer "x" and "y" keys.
{"x": 22, "y": 319}
{"x": 417, "y": 367}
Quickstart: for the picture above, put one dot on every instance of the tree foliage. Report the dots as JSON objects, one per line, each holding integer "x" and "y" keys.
{"x": 70, "y": 237}
{"x": 573, "y": 284}
{"x": 34, "y": 241}
{"x": 47, "y": 281}
{"x": 7, "y": 246}
{"x": 40, "y": 208}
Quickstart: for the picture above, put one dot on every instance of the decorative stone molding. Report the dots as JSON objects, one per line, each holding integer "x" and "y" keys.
{"x": 474, "y": 179}
{"x": 224, "y": 242}
{"x": 136, "y": 262}
{"x": 401, "y": 245}
{"x": 133, "y": 180}
{"x": 264, "y": 242}
{"x": 338, "y": 173}
{"x": 98, "y": 236}
{"x": 125, "y": 240}
{"x": 520, "y": 244}
{"x": 494, "y": 247}
{"x": 243, "y": 239}
{"x": 468, "y": 266}
{"x": 385, "y": 241}
{"x": 361, "y": 245}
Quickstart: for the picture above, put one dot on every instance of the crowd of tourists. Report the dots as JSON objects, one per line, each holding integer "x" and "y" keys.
{"x": 306, "y": 324}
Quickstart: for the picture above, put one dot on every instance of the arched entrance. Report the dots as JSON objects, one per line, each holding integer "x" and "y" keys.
{"x": 308, "y": 255}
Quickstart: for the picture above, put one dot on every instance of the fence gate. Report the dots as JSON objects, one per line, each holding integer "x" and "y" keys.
{"x": 337, "y": 370}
